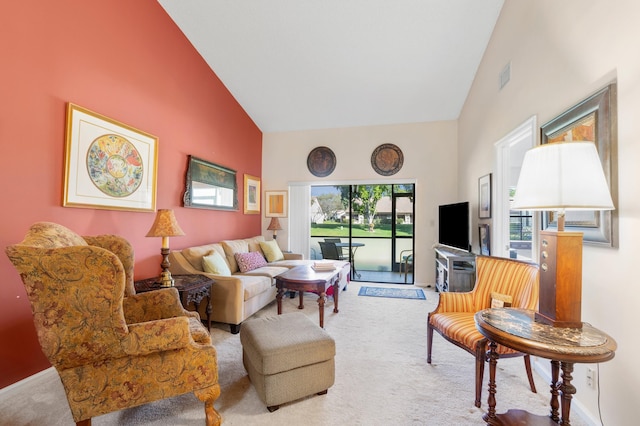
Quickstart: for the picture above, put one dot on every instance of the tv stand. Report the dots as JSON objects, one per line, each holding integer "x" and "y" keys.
{"x": 455, "y": 269}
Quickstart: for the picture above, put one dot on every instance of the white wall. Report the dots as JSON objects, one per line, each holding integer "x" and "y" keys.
{"x": 430, "y": 157}
{"x": 561, "y": 52}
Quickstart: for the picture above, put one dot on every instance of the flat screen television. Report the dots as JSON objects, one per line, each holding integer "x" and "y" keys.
{"x": 453, "y": 228}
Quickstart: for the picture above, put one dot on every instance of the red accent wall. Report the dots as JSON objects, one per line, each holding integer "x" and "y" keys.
{"x": 126, "y": 60}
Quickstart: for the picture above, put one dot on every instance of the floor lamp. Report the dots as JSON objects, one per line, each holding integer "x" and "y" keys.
{"x": 561, "y": 177}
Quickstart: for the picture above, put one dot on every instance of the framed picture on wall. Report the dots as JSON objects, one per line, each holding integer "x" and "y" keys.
{"x": 485, "y": 239}
{"x": 108, "y": 164}
{"x": 484, "y": 197}
{"x": 275, "y": 204}
{"x": 594, "y": 119}
{"x": 251, "y": 194}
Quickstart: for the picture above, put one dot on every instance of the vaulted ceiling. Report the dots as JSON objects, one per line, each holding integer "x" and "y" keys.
{"x": 316, "y": 64}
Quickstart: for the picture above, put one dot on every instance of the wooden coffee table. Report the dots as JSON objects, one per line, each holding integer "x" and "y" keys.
{"x": 304, "y": 278}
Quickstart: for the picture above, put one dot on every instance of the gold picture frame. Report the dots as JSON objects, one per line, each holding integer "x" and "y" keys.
{"x": 108, "y": 165}
{"x": 251, "y": 194}
{"x": 275, "y": 203}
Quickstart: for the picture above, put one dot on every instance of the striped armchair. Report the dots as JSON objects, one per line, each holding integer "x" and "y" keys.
{"x": 453, "y": 317}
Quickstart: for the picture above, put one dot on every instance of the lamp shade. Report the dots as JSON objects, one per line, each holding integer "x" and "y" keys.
{"x": 562, "y": 176}
{"x": 165, "y": 225}
{"x": 274, "y": 225}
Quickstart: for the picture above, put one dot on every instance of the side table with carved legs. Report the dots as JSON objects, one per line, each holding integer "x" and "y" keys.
{"x": 192, "y": 289}
{"x": 517, "y": 329}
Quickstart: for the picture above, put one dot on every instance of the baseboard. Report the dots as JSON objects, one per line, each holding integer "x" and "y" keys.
{"x": 15, "y": 385}
{"x": 542, "y": 367}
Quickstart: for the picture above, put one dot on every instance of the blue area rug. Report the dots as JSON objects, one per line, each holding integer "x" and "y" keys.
{"x": 398, "y": 293}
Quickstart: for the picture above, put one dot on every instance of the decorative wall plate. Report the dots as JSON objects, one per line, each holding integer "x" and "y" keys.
{"x": 321, "y": 161}
{"x": 387, "y": 159}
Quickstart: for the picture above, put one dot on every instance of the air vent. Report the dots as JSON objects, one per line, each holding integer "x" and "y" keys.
{"x": 505, "y": 75}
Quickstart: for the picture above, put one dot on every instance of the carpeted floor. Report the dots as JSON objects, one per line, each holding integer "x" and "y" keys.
{"x": 382, "y": 378}
{"x": 398, "y": 293}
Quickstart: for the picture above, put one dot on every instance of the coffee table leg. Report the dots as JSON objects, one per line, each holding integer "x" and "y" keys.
{"x": 279, "y": 298}
{"x": 321, "y": 298}
{"x": 301, "y": 305}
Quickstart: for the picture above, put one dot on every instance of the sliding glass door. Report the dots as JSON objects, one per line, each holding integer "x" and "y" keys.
{"x": 370, "y": 225}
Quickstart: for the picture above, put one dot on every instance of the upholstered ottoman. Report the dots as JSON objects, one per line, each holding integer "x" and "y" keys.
{"x": 287, "y": 357}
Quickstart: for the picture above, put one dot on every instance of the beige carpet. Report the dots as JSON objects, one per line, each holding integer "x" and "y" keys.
{"x": 382, "y": 378}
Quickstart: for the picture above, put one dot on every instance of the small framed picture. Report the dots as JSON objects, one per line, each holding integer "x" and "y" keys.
{"x": 485, "y": 239}
{"x": 251, "y": 194}
{"x": 275, "y": 203}
{"x": 484, "y": 197}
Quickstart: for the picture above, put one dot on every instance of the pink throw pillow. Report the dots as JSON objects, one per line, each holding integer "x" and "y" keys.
{"x": 250, "y": 261}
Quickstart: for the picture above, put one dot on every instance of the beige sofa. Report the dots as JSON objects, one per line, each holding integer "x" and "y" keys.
{"x": 236, "y": 297}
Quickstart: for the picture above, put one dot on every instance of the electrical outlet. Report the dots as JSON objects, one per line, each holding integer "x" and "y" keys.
{"x": 592, "y": 377}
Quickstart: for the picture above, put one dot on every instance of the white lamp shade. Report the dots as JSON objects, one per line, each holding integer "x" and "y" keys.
{"x": 562, "y": 176}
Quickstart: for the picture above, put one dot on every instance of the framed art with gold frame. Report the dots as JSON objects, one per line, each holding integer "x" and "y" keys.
{"x": 275, "y": 203}
{"x": 108, "y": 165}
{"x": 251, "y": 194}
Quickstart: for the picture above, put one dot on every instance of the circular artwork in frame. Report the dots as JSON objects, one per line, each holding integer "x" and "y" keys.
{"x": 321, "y": 161}
{"x": 114, "y": 165}
{"x": 387, "y": 159}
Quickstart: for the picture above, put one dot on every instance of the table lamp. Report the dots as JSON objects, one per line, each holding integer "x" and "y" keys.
{"x": 165, "y": 226}
{"x": 274, "y": 226}
{"x": 559, "y": 177}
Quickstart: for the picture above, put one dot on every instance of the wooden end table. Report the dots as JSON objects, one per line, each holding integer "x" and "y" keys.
{"x": 517, "y": 329}
{"x": 304, "y": 278}
{"x": 192, "y": 288}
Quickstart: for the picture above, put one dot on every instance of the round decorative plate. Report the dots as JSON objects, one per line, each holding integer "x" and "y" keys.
{"x": 387, "y": 159}
{"x": 114, "y": 165}
{"x": 321, "y": 161}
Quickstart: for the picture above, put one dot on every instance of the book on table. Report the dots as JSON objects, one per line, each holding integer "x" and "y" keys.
{"x": 323, "y": 266}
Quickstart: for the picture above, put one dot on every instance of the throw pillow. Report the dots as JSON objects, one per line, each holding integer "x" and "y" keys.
{"x": 250, "y": 261}
{"x": 500, "y": 300}
{"x": 213, "y": 263}
{"x": 271, "y": 251}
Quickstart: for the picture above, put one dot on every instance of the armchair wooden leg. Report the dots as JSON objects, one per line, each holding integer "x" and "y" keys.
{"x": 209, "y": 396}
{"x": 429, "y": 341}
{"x": 527, "y": 366}
{"x": 85, "y": 422}
{"x": 481, "y": 356}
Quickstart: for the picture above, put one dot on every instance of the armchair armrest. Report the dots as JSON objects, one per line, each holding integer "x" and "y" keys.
{"x": 157, "y": 336}
{"x": 292, "y": 256}
{"x": 153, "y": 305}
{"x": 455, "y": 302}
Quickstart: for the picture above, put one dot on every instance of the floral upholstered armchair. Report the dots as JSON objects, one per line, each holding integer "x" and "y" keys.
{"x": 112, "y": 348}
{"x": 453, "y": 318}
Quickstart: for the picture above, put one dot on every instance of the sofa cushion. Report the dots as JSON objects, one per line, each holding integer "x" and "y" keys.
{"x": 250, "y": 261}
{"x": 271, "y": 251}
{"x": 195, "y": 254}
{"x": 231, "y": 247}
{"x": 254, "y": 242}
{"x": 266, "y": 271}
{"x": 255, "y": 285}
{"x": 215, "y": 264}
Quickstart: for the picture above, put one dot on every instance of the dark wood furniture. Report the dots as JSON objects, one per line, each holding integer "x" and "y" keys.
{"x": 192, "y": 288}
{"x": 517, "y": 329}
{"x": 304, "y": 278}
